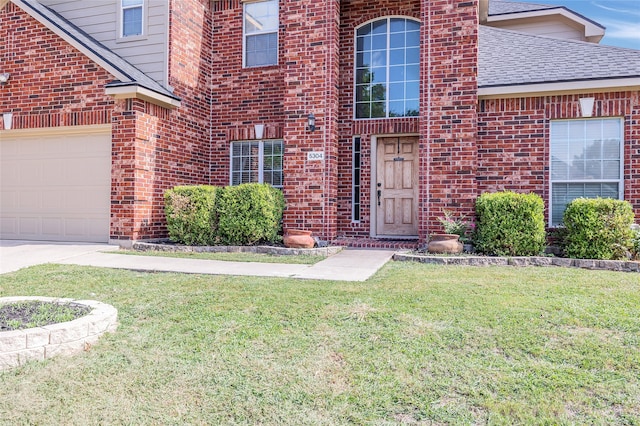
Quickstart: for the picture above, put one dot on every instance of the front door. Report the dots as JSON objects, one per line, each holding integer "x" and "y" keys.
{"x": 397, "y": 186}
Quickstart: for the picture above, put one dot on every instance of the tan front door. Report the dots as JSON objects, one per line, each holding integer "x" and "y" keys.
{"x": 397, "y": 186}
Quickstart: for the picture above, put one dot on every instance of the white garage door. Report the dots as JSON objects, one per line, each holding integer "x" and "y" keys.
{"x": 55, "y": 184}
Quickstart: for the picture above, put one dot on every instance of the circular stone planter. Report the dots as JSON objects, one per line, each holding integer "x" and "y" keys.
{"x": 67, "y": 338}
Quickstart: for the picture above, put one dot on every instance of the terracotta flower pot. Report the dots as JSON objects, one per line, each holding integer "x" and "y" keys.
{"x": 298, "y": 238}
{"x": 445, "y": 243}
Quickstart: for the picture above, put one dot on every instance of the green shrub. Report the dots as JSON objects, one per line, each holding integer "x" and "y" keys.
{"x": 509, "y": 224}
{"x": 635, "y": 241}
{"x": 249, "y": 213}
{"x": 598, "y": 228}
{"x": 190, "y": 213}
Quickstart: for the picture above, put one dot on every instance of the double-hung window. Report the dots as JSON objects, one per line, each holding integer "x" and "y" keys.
{"x": 257, "y": 161}
{"x": 586, "y": 161}
{"x": 387, "y": 69}
{"x": 132, "y": 18}
{"x": 260, "y": 33}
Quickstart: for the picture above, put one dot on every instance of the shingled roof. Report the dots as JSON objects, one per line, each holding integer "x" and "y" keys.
{"x": 497, "y": 7}
{"x": 113, "y": 63}
{"x": 508, "y": 58}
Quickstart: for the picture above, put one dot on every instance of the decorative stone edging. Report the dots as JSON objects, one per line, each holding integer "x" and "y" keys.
{"x": 609, "y": 265}
{"x": 67, "y": 338}
{"x": 280, "y": 251}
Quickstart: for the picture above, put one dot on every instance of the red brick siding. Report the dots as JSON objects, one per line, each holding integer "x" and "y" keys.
{"x": 352, "y": 15}
{"x": 449, "y": 110}
{"x": 52, "y": 84}
{"x": 241, "y": 97}
{"x": 310, "y": 53}
{"x": 447, "y": 122}
{"x": 513, "y": 140}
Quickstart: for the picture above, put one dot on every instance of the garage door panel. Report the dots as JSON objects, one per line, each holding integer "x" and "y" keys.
{"x": 56, "y": 187}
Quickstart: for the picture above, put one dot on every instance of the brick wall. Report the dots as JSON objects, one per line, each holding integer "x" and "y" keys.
{"x": 310, "y": 45}
{"x": 447, "y": 122}
{"x": 52, "y": 84}
{"x": 449, "y": 114}
{"x": 153, "y": 148}
{"x": 513, "y": 140}
{"x": 354, "y": 14}
{"x": 241, "y": 97}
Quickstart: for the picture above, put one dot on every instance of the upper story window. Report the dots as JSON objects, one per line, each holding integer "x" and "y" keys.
{"x": 388, "y": 69}
{"x": 132, "y": 18}
{"x": 586, "y": 161}
{"x": 261, "y": 33}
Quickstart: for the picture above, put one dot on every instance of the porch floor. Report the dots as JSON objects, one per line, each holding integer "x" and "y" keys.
{"x": 377, "y": 243}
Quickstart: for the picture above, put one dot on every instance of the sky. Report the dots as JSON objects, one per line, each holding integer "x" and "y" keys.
{"x": 620, "y": 17}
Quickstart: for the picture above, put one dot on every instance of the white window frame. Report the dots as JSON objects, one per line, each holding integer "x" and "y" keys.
{"x": 260, "y": 160}
{"x": 619, "y": 181}
{"x": 143, "y": 30}
{"x": 271, "y": 31}
{"x": 387, "y": 80}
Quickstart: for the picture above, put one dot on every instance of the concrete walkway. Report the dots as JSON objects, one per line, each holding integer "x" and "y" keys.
{"x": 348, "y": 265}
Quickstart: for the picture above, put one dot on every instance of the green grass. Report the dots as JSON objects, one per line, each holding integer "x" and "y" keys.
{"x": 230, "y": 257}
{"x": 416, "y": 343}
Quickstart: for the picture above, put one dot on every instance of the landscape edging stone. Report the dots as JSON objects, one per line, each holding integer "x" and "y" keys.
{"x": 20, "y": 346}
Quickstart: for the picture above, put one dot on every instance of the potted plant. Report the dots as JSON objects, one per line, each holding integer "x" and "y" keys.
{"x": 455, "y": 230}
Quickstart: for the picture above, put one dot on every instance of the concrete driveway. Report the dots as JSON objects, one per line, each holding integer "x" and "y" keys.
{"x": 15, "y": 254}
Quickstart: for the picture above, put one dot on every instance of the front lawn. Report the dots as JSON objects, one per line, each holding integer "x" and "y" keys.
{"x": 416, "y": 343}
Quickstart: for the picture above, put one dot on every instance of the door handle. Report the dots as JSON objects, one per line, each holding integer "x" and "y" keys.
{"x": 379, "y": 195}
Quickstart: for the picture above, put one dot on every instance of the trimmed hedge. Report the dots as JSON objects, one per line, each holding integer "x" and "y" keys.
{"x": 249, "y": 213}
{"x": 235, "y": 215}
{"x": 190, "y": 213}
{"x": 598, "y": 228}
{"x": 509, "y": 224}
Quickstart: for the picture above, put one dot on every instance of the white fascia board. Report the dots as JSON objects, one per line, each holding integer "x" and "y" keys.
{"x": 139, "y": 92}
{"x": 590, "y": 28}
{"x": 565, "y": 88}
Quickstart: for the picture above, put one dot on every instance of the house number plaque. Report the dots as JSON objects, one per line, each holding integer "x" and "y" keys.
{"x": 315, "y": 156}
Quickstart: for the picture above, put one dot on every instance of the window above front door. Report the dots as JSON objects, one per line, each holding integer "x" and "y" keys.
{"x": 387, "y": 72}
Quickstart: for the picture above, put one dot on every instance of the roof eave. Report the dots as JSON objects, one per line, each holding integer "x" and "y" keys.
{"x": 560, "y": 87}
{"x": 128, "y": 90}
{"x": 593, "y": 31}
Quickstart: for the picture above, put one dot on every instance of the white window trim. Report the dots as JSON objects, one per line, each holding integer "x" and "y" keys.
{"x": 260, "y": 159}
{"x": 355, "y": 67}
{"x": 120, "y": 38}
{"x": 244, "y": 36}
{"x": 620, "y": 181}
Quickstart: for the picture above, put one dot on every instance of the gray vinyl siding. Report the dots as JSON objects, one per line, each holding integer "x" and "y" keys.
{"x": 99, "y": 19}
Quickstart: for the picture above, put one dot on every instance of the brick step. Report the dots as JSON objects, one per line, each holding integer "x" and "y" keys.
{"x": 376, "y": 243}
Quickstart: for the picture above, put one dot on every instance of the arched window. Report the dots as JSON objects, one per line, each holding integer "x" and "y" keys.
{"x": 388, "y": 68}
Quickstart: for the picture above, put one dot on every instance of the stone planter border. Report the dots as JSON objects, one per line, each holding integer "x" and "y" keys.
{"x": 162, "y": 245}
{"x": 67, "y": 338}
{"x": 609, "y": 265}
